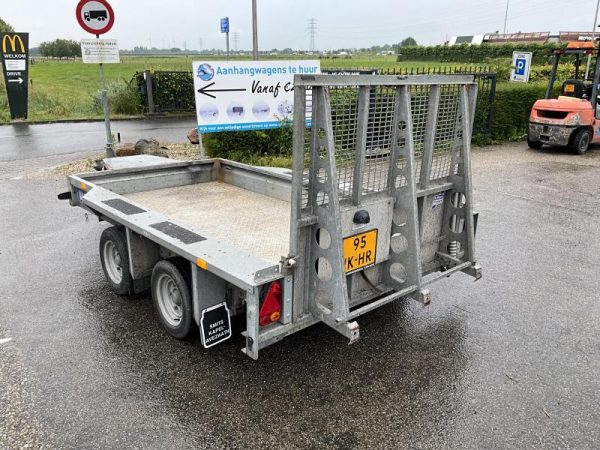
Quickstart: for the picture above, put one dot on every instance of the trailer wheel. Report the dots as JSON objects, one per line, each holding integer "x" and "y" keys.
{"x": 172, "y": 299}
{"x": 581, "y": 142}
{"x": 536, "y": 145}
{"x": 115, "y": 260}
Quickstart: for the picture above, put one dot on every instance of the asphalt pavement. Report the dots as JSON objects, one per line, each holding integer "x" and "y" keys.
{"x": 20, "y": 141}
{"x": 510, "y": 361}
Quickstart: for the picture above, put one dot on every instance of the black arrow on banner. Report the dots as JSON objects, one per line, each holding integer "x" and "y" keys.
{"x": 204, "y": 90}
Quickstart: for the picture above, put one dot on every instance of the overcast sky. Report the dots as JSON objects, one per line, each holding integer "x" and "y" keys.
{"x": 284, "y": 23}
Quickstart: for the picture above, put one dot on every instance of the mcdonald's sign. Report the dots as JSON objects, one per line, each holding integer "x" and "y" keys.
{"x": 13, "y": 41}
{"x": 15, "y": 65}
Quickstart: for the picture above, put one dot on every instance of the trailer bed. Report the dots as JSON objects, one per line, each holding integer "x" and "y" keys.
{"x": 255, "y": 223}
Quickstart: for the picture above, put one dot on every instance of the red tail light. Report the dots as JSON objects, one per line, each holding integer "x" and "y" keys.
{"x": 270, "y": 311}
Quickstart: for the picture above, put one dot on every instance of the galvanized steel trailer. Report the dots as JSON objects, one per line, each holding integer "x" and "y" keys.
{"x": 377, "y": 207}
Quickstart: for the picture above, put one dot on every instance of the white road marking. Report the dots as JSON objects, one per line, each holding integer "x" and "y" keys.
{"x": 5, "y": 340}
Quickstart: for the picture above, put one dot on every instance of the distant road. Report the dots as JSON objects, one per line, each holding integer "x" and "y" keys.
{"x": 25, "y": 141}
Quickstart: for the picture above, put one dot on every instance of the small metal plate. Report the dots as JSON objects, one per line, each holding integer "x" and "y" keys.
{"x": 215, "y": 325}
{"x": 360, "y": 251}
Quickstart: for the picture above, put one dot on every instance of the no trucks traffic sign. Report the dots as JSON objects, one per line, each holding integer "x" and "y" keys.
{"x": 95, "y": 16}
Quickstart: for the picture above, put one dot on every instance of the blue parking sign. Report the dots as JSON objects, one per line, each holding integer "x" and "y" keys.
{"x": 520, "y": 66}
{"x": 225, "y": 25}
{"x": 521, "y": 63}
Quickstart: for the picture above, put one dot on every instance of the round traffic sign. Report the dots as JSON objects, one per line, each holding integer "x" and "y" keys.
{"x": 95, "y": 16}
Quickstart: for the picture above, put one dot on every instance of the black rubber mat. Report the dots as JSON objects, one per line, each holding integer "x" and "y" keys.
{"x": 123, "y": 206}
{"x": 177, "y": 232}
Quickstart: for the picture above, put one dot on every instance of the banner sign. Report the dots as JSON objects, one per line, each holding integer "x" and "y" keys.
{"x": 15, "y": 64}
{"x": 246, "y": 95}
{"x": 100, "y": 51}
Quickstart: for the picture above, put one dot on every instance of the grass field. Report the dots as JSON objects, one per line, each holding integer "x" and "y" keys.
{"x": 65, "y": 89}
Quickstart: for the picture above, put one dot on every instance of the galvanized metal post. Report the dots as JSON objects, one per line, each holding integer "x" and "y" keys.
{"x": 149, "y": 94}
{"x": 362, "y": 125}
{"x": 430, "y": 134}
{"x": 254, "y": 32}
{"x": 506, "y": 15}
{"x": 110, "y": 153}
{"x": 227, "y": 44}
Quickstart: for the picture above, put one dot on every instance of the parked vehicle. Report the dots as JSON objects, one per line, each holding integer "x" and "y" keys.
{"x": 571, "y": 119}
{"x": 343, "y": 233}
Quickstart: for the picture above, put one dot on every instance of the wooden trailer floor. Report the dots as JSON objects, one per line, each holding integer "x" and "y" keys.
{"x": 253, "y": 222}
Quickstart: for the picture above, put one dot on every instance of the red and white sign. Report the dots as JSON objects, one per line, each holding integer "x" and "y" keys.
{"x": 95, "y": 16}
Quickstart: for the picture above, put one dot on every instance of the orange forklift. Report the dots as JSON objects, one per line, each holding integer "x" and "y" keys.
{"x": 571, "y": 119}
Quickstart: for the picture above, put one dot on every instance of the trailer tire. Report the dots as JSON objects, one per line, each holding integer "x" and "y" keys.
{"x": 581, "y": 141}
{"x": 172, "y": 299}
{"x": 115, "y": 260}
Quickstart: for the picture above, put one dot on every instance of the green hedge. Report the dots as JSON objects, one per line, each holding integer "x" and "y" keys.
{"x": 250, "y": 146}
{"x": 512, "y": 107}
{"x": 542, "y": 53}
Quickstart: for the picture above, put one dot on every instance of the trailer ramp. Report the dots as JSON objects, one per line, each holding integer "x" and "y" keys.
{"x": 386, "y": 199}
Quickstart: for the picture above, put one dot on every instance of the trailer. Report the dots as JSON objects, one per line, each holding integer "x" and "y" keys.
{"x": 378, "y": 206}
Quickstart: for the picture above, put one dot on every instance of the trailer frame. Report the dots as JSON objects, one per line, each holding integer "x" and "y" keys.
{"x": 397, "y": 163}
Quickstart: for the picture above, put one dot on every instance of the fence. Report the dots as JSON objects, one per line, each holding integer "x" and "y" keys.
{"x": 173, "y": 91}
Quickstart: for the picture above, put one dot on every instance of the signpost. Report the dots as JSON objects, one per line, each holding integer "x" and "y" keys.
{"x": 97, "y": 17}
{"x": 15, "y": 64}
{"x": 225, "y": 29}
{"x": 521, "y": 67}
{"x": 246, "y": 95}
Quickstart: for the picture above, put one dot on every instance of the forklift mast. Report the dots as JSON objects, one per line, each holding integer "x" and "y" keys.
{"x": 578, "y": 49}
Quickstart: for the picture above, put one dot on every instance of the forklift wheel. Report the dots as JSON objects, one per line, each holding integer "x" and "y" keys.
{"x": 581, "y": 142}
{"x": 534, "y": 144}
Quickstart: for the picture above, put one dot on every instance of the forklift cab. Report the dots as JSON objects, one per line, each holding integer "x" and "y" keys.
{"x": 577, "y": 89}
{"x": 572, "y": 119}
{"x": 579, "y": 86}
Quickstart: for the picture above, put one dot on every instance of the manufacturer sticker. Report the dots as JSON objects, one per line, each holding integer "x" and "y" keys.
{"x": 438, "y": 199}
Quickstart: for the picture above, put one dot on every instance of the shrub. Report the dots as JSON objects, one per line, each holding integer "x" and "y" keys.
{"x": 248, "y": 146}
{"x": 512, "y": 108}
{"x": 123, "y": 98}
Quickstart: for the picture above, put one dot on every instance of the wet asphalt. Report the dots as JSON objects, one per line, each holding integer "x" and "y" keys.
{"x": 20, "y": 141}
{"x": 510, "y": 361}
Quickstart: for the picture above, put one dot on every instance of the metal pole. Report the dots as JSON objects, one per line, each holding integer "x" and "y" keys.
{"x": 254, "y": 32}
{"x": 110, "y": 153}
{"x": 149, "y": 93}
{"x": 589, "y": 61}
{"x": 227, "y": 42}
{"x": 506, "y": 15}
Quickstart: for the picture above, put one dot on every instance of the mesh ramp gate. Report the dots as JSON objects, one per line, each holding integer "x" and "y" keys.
{"x": 395, "y": 149}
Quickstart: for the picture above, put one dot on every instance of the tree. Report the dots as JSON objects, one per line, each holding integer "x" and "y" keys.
{"x": 5, "y": 27}
{"x": 61, "y": 48}
{"x": 408, "y": 42}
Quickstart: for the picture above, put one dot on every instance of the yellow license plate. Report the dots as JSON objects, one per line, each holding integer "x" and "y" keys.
{"x": 360, "y": 251}
{"x": 569, "y": 88}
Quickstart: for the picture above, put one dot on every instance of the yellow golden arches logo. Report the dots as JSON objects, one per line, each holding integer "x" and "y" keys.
{"x": 13, "y": 43}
